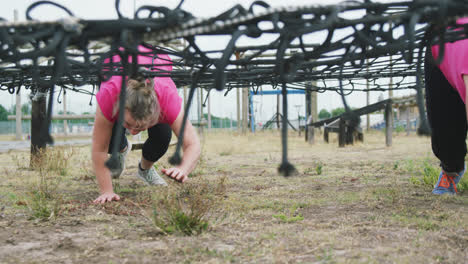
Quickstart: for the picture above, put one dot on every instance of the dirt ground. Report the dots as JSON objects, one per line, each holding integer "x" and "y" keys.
{"x": 364, "y": 203}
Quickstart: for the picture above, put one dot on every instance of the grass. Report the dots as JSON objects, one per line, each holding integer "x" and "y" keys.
{"x": 361, "y": 207}
{"x": 43, "y": 199}
{"x": 188, "y": 209}
{"x": 427, "y": 175}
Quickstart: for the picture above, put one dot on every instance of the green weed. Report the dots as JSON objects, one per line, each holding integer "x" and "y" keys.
{"x": 430, "y": 174}
{"x": 292, "y": 216}
{"x": 463, "y": 184}
{"x": 42, "y": 206}
{"x": 414, "y": 180}
{"x": 187, "y": 209}
{"x": 326, "y": 257}
{"x": 42, "y": 197}
{"x": 318, "y": 168}
{"x": 286, "y": 219}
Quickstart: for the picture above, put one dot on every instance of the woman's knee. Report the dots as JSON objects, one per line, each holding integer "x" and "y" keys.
{"x": 157, "y": 144}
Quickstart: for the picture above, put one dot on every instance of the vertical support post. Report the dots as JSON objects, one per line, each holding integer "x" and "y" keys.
{"x": 209, "y": 111}
{"x": 38, "y": 116}
{"x": 388, "y": 124}
{"x": 19, "y": 128}
{"x": 238, "y": 100}
{"x": 251, "y": 111}
{"x": 408, "y": 123}
{"x": 311, "y": 113}
{"x": 313, "y": 106}
{"x": 342, "y": 133}
{"x": 238, "y": 109}
{"x": 185, "y": 97}
{"x": 245, "y": 109}
{"x": 308, "y": 116}
{"x": 367, "y": 97}
{"x": 325, "y": 134}
{"x": 65, "y": 123}
{"x": 390, "y": 96}
{"x": 310, "y": 129}
{"x": 278, "y": 112}
{"x": 349, "y": 135}
{"x": 199, "y": 113}
{"x": 202, "y": 114}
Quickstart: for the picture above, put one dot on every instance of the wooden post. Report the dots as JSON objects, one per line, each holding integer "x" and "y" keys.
{"x": 38, "y": 116}
{"x": 325, "y": 134}
{"x": 310, "y": 130}
{"x": 388, "y": 124}
{"x": 313, "y": 106}
{"x": 408, "y": 123}
{"x": 349, "y": 135}
{"x": 342, "y": 133}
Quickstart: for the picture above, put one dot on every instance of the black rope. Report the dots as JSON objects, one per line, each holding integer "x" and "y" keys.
{"x": 176, "y": 158}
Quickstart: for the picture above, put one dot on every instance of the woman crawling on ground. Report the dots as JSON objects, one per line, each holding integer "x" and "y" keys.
{"x": 150, "y": 104}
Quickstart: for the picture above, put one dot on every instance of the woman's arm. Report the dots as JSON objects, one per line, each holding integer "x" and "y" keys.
{"x": 102, "y": 132}
{"x": 190, "y": 146}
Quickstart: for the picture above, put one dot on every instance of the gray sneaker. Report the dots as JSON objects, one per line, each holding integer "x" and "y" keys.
{"x": 115, "y": 173}
{"x": 150, "y": 177}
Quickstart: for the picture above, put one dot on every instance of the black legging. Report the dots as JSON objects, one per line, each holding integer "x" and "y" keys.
{"x": 447, "y": 117}
{"x": 159, "y": 137}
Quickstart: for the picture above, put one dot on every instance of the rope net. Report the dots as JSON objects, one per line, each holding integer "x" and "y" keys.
{"x": 347, "y": 43}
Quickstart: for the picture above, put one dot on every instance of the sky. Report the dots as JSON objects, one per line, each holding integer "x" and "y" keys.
{"x": 224, "y": 106}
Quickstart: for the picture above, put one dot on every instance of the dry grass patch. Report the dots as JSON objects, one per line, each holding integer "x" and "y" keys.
{"x": 188, "y": 208}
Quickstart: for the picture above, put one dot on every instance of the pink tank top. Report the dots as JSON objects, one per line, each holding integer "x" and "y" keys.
{"x": 166, "y": 91}
{"x": 455, "y": 62}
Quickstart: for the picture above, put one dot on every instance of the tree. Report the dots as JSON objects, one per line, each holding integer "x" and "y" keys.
{"x": 3, "y": 113}
{"x": 25, "y": 109}
{"x": 324, "y": 114}
{"x": 68, "y": 112}
{"x": 338, "y": 111}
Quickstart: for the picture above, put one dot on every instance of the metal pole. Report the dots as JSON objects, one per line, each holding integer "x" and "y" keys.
{"x": 367, "y": 97}
{"x": 209, "y": 111}
{"x": 238, "y": 100}
{"x": 65, "y": 123}
{"x": 19, "y": 128}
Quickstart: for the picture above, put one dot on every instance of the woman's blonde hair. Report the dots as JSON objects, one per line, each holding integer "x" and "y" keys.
{"x": 141, "y": 100}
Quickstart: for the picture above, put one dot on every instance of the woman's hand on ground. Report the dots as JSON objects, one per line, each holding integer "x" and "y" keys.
{"x": 107, "y": 197}
{"x": 176, "y": 174}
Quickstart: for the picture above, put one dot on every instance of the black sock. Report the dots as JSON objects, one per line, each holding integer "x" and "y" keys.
{"x": 139, "y": 166}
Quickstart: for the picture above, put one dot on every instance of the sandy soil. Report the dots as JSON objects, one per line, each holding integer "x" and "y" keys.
{"x": 364, "y": 203}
